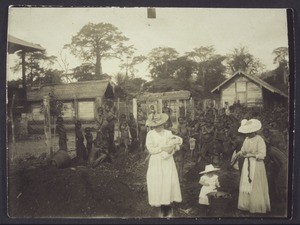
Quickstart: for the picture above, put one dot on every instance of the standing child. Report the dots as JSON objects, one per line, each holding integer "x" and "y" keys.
{"x": 125, "y": 135}
{"x": 209, "y": 182}
{"x": 89, "y": 139}
{"x": 80, "y": 148}
{"x": 62, "y": 134}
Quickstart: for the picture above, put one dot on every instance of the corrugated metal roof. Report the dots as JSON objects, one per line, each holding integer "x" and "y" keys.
{"x": 171, "y": 95}
{"x": 255, "y": 80}
{"x": 79, "y": 90}
{"x": 16, "y": 44}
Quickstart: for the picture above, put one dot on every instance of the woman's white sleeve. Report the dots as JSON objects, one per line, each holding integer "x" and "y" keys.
{"x": 243, "y": 150}
{"x": 151, "y": 145}
{"x": 261, "y": 145}
{"x": 202, "y": 180}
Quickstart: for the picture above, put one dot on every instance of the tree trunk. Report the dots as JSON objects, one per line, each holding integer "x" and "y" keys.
{"x": 98, "y": 70}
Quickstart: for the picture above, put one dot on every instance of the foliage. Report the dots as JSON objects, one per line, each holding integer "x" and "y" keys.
{"x": 96, "y": 42}
{"x": 38, "y": 69}
{"x": 281, "y": 55}
{"x": 159, "y": 61}
{"x": 279, "y": 77}
{"x": 130, "y": 63}
{"x": 128, "y": 87}
{"x": 209, "y": 68}
{"x": 241, "y": 59}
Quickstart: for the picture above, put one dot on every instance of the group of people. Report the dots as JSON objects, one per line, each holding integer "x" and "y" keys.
{"x": 217, "y": 134}
{"x": 211, "y": 136}
{"x": 162, "y": 176}
{"x": 94, "y": 150}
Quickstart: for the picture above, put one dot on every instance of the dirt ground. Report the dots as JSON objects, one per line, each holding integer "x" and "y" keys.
{"x": 111, "y": 190}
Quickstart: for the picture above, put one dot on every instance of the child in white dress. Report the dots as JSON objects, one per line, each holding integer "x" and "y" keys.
{"x": 209, "y": 182}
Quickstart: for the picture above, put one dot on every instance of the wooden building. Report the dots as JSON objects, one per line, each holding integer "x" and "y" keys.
{"x": 80, "y": 99}
{"x": 178, "y": 101}
{"x": 250, "y": 91}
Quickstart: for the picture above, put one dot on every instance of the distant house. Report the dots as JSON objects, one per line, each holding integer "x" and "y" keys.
{"x": 250, "y": 91}
{"x": 178, "y": 101}
{"x": 80, "y": 99}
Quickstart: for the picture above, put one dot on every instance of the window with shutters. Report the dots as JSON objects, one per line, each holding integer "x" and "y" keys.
{"x": 86, "y": 110}
{"x": 37, "y": 114}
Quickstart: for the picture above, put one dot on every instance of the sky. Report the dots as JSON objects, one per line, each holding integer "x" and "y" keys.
{"x": 261, "y": 30}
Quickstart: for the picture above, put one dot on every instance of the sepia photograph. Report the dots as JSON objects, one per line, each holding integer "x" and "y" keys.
{"x": 148, "y": 112}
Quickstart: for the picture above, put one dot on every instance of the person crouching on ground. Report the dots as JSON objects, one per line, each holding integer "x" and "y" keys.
{"x": 254, "y": 191}
{"x": 162, "y": 177}
{"x": 210, "y": 183}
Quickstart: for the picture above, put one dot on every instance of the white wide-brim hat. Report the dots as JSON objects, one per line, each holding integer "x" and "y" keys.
{"x": 249, "y": 126}
{"x": 157, "y": 120}
{"x": 209, "y": 168}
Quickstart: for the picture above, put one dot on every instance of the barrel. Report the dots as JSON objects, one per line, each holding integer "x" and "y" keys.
{"x": 61, "y": 159}
{"x": 219, "y": 203}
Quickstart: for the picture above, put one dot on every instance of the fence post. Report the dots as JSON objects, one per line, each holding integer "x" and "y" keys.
{"x": 47, "y": 124}
{"x": 192, "y": 108}
{"x": 14, "y": 151}
{"x": 160, "y": 106}
{"x": 134, "y": 108}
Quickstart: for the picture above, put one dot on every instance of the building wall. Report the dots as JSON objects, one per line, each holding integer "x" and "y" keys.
{"x": 85, "y": 109}
{"x": 243, "y": 89}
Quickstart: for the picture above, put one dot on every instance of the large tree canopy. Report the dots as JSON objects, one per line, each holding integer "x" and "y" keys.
{"x": 241, "y": 59}
{"x": 210, "y": 70}
{"x": 95, "y": 42}
{"x": 159, "y": 61}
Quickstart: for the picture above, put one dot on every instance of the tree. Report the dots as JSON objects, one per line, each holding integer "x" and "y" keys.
{"x": 163, "y": 85}
{"x": 96, "y": 42}
{"x": 159, "y": 61}
{"x": 279, "y": 76}
{"x": 241, "y": 59}
{"x": 281, "y": 55}
{"x": 38, "y": 68}
{"x": 84, "y": 72}
{"x": 281, "y": 58}
{"x": 128, "y": 86}
{"x": 130, "y": 63}
{"x": 209, "y": 68}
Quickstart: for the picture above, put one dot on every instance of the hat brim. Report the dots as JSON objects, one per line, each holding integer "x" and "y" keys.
{"x": 247, "y": 130}
{"x": 208, "y": 171}
{"x": 163, "y": 119}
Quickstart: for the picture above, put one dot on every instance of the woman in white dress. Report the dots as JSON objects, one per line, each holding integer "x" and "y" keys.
{"x": 253, "y": 191}
{"x": 162, "y": 177}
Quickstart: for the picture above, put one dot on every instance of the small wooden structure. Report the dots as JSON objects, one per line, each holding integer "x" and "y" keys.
{"x": 16, "y": 44}
{"x": 250, "y": 91}
{"x": 178, "y": 101}
{"x": 80, "y": 99}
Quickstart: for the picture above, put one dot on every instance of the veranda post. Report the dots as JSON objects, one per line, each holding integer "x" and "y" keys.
{"x": 47, "y": 126}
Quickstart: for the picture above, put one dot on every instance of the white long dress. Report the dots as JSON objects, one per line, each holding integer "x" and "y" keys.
{"x": 254, "y": 191}
{"x": 162, "y": 177}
